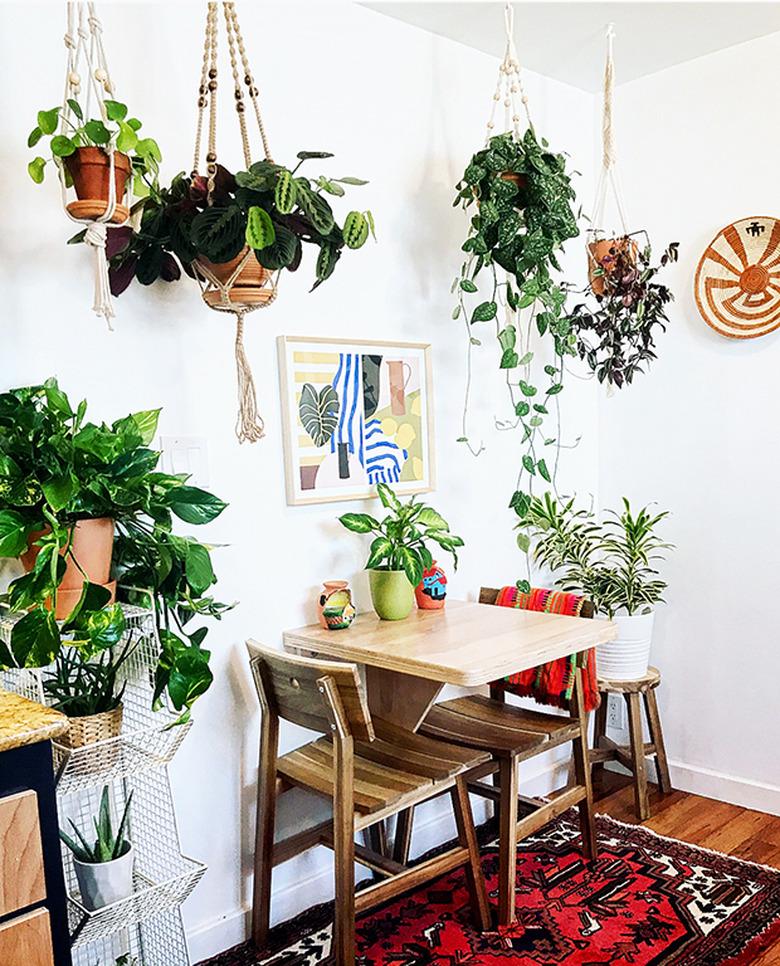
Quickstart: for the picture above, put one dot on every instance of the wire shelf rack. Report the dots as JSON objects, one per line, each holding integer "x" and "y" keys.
{"x": 155, "y": 942}
{"x": 163, "y": 877}
{"x": 147, "y": 740}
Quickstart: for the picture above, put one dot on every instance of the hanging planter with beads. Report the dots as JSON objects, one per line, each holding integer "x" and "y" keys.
{"x": 236, "y": 233}
{"x": 100, "y": 158}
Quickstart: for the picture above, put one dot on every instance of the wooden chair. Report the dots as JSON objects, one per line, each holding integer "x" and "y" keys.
{"x": 512, "y": 735}
{"x": 369, "y": 770}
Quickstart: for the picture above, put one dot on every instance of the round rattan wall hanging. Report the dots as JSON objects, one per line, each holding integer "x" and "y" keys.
{"x": 738, "y": 279}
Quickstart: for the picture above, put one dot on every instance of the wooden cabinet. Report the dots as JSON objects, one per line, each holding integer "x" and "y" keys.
{"x": 22, "y": 882}
{"x": 26, "y": 940}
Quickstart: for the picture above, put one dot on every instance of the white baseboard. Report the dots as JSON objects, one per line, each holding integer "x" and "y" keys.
{"x": 219, "y": 934}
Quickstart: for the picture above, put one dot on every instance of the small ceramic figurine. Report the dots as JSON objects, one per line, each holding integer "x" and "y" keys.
{"x": 336, "y": 610}
{"x": 432, "y": 589}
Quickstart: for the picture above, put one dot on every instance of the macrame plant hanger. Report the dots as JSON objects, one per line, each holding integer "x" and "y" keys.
{"x": 85, "y": 51}
{"x": 608, "y": 177}
{"x": 225, "y": 295}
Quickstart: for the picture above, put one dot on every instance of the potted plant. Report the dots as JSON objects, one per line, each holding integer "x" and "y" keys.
{"x": 520, "y": 196}
{"x": 85, "y": 686}
{"x": 612, "y": 563}
{"x": 104, "y": 869}
{"x": 398, "y": 554}
{"x": 616, "y": 336}
{"x": 84, "y": 147}
{"x": 246, "y": 227}
{"x": 57, "y": 470}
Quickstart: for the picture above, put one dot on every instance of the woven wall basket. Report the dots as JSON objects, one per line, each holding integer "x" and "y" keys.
{"x": 92, "y": 728}
{"x": 737, "y": 285}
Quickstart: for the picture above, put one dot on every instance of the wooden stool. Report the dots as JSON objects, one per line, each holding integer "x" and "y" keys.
{"x": 633, "y": 756}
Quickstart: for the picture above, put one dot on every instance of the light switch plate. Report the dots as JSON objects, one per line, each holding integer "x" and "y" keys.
{"x": 186, "y": 454}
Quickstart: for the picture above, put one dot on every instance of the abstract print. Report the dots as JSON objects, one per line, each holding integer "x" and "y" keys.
{"x": 357, "y": 416}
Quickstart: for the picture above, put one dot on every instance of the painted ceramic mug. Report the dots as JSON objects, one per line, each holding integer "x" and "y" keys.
{"x": 432, "y": 589}
{"x": 336, "y": 610}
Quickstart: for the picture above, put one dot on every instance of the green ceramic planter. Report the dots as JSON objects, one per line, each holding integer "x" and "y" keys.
{"x": 391, "y": 594}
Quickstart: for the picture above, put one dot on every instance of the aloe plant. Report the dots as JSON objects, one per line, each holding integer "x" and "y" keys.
{"x": 107, "y": 846}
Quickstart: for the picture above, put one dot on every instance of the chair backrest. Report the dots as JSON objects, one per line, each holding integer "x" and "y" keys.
{"x": 291, "y": 687}
{"x": 489, "y": 595}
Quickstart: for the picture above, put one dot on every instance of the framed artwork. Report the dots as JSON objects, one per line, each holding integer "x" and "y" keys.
{"x": 354, "y": 414}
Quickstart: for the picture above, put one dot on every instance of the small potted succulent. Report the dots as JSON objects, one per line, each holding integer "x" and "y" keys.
{"x": 399, "y": 556}
{"x": 249, "y": 225}
{"x": 104, "y": 868}
{"x": 611, "y": 562}
{"x": 616, "y": 335}
{"x": 82, "y": 147}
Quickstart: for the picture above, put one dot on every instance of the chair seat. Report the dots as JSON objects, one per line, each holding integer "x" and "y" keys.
{"x": 394, "y": 768}
{"x": 480, "y": 722}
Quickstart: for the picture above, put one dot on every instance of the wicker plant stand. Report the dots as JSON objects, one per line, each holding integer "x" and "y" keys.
{"x": 148, "y": 924}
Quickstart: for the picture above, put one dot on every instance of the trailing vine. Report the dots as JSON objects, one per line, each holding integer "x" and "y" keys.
{"x": 523, "y": 198}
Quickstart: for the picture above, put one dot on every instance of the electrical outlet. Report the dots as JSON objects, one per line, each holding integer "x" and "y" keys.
{"x": 186, "y": 454}
{"x": 616, "y": 712}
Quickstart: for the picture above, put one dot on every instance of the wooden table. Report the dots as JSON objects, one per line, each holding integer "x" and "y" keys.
{"x": 468, "y": 644}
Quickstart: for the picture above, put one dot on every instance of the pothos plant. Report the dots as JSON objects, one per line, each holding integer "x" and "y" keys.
{"x": 616, "y": 331}
{"x": 400, "y": 540}
{"x": 57, "y": 468}
{"x": 270, "y": 208}
{"x": 116, "y": 128}
{"x": 521, "y": 197}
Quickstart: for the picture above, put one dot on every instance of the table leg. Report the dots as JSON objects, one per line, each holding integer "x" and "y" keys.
{"x": 401, "y": 699}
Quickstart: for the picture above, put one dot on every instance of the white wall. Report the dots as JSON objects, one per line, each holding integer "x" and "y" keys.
{"x": 397, "y": 106}
{"x": 697, "y": 149}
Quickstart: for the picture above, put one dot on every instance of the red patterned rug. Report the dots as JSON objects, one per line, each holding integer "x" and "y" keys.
{"x": 646, "y": 901}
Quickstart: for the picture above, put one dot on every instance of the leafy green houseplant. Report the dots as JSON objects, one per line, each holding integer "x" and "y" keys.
{"x": 104, "y": 868}
{"x": 521, "y": 198}
{"x": 399, "y": 553}
{"x": 59, "y": 472}
{"x": 616, "y": 330}
{"x": 270, "y": 209}
{"x": 612, "y": 562}
{"x": 78, "y": 143}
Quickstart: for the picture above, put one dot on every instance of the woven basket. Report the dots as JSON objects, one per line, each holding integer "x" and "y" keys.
{"x": 92, "y": 728}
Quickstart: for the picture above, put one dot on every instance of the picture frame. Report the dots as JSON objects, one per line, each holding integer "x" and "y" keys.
{"x": 355, "y": 412}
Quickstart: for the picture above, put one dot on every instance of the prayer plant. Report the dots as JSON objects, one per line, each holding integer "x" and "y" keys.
{"x": 115, "y": 128}
{"x": 400, "y": 539}
{"x": 616, "y": 334}
{"x": 56, "y": 468}
{"x": 611, "y": 562}
{"x": 270, "y": 208}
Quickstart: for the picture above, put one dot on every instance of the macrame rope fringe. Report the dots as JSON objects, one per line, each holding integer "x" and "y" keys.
{"x": 249, "y": 425}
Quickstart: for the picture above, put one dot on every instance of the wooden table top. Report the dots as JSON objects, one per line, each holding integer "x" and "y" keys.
{"x": 466, "y": 644}
{"x": 25, "y": 722}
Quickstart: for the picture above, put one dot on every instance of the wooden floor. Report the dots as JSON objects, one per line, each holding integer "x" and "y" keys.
{"x": 736, "y": 831}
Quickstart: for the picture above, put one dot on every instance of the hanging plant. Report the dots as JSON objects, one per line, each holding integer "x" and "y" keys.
{"x": 616, "y": 336}
{"x": 521, "y": 198}
{"x": 269, "y": 209}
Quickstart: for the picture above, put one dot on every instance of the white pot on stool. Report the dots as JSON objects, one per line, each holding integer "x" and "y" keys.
{"x": 627, "y": 657}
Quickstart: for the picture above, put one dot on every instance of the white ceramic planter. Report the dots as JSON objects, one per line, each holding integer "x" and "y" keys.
{"x": 626, "y": 658}
{"x": 102, "y": 883}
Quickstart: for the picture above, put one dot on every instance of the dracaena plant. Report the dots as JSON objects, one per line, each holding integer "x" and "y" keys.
{"x": 400, "y": 540}
{"x": 612, "y": 562}
{"x": 270, "y": 208}
{"x": 520, "y": 197}
{"x": 57, "y": 468}
{"x": 616, "y": 329}
{"x": 79, "y": 132}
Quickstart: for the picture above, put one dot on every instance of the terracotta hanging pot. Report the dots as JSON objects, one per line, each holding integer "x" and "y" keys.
{"x": 90, "y": 170}
{"x": 92, "y": 546}
{"x": 252, "y": 285}
{"x": 601, "y": 255}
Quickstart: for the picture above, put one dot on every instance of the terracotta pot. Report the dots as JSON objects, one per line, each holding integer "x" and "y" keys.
{"x": 90, "y": 169}
{"x": 599, "y": 256}
{"x": 92, "y": 545}
{"x": 431, "y": 592}
{"x": 518, "y": 179}
{"x": 252, "y": 285}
